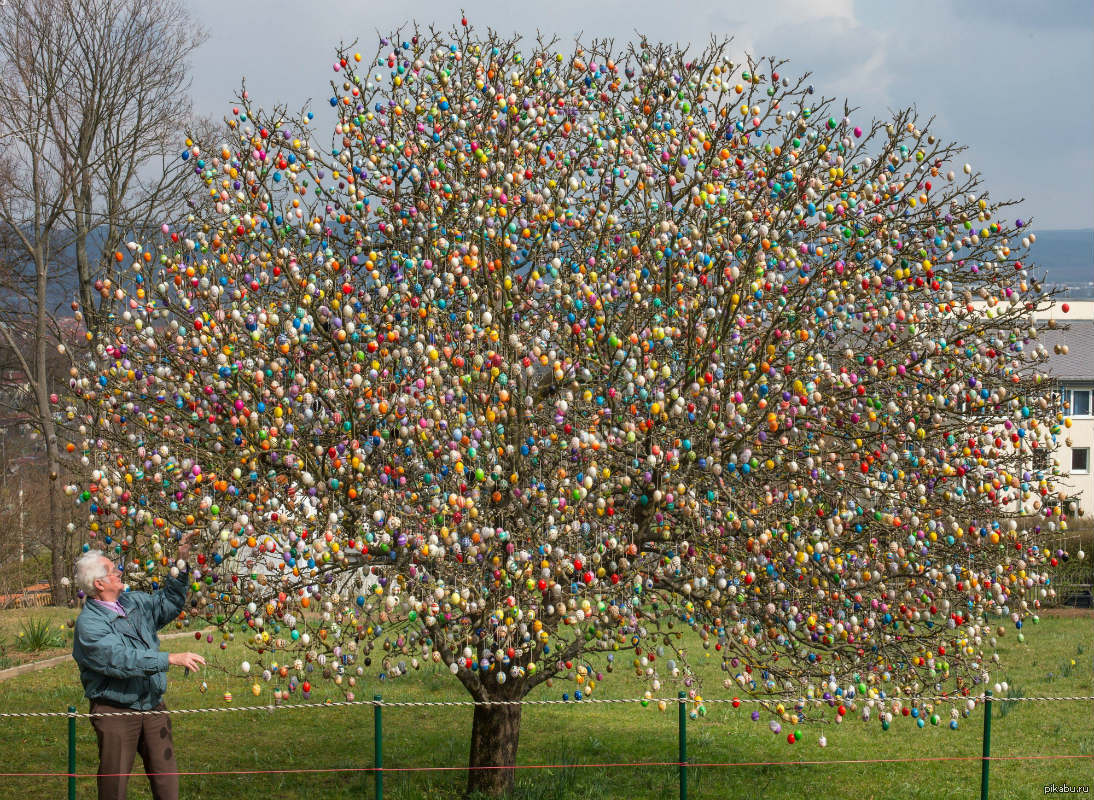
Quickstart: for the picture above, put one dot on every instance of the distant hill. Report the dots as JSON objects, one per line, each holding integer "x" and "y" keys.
{"x": 1067, "y": 256}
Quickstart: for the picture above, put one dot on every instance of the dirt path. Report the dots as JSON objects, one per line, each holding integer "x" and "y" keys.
{"x": 34, "y": 666}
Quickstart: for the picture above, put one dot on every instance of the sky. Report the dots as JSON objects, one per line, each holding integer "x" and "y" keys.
{"x": 1010, "y": 79}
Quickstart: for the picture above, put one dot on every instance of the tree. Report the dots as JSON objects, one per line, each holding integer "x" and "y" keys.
{"x": 105, "y": 86}
{"x": 36, "y": 349}
{"x": 92, "y": 92}
{"x": 27, "y": 330}
{"x": 556, "y": 349}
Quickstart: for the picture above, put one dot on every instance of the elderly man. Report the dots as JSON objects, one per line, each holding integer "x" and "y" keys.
{"x": 123, "y": 669}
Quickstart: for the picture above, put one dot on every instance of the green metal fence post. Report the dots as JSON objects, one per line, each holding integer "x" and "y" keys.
{"x": 683, "y": 756}
{"x": 984, "y": 762}
{"x": 72, "y": 753}
{"x": 378, "y": 745}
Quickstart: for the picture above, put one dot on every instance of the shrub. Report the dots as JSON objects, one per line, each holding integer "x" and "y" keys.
{"x": 37, "y": 635}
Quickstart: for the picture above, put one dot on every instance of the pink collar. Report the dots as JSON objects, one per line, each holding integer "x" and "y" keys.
{"x": 116, "y": 607}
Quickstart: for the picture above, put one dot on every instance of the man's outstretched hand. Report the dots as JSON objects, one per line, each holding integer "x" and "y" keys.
{"x": 191, "y": 661}
{"x": 185, "y": 543}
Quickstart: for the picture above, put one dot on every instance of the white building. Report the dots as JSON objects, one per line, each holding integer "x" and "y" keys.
{"x": 1070, "y": 349}
{"x": 1071, "y": 364}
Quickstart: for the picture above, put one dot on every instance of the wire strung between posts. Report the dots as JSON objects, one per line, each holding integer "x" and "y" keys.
{"x": 314, "y": 770}
{"x": 816, "y": 701}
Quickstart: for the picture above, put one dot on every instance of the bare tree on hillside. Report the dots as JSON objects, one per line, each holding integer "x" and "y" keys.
{"x": 26, "y": 326}
{"x": 93, "y": 98}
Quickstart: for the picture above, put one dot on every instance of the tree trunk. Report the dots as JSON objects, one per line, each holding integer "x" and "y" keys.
{"x": 48, "y": 426}
{"x": 495, "y": 734}
{"x": 58, "y": 554}
{"x": 81, "y": 200}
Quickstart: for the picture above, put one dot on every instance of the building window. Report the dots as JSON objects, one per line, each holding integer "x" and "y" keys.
{"x": 1077, "y": 402}
{"x": 1040, "y": 459}
{"x": 1080, "y": 459}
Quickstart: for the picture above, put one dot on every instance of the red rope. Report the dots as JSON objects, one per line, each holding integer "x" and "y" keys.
{"x": 551, "y": 766}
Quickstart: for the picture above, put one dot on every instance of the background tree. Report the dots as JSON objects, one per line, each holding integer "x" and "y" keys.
{"x": 107, "y": 84}
{"x": 28, "y": 326}
{"x": 92, "y": 92}
{"x": 36, "y": 362}
{"x": 550, "y": 351}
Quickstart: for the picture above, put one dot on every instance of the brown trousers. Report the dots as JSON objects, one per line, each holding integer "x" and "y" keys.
{"x": 121, "y": 738}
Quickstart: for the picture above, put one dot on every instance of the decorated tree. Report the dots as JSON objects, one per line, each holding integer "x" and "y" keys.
{"x": 549, "y": 351}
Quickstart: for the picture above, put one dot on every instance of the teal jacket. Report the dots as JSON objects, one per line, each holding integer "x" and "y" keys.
{"x": 120, "y": 658}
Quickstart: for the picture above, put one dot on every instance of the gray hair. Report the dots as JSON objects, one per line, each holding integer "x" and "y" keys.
{"x": 90, "y": 568}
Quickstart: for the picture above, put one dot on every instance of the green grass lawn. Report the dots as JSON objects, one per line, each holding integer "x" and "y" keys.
{"x": 581, "y": 734}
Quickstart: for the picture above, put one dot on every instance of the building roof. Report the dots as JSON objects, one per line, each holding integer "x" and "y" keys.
{"x": 1078, "y": 362}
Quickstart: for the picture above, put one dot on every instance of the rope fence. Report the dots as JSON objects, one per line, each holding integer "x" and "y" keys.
{"x": 977, "y": 698}
{"x": 681, "y": 764}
